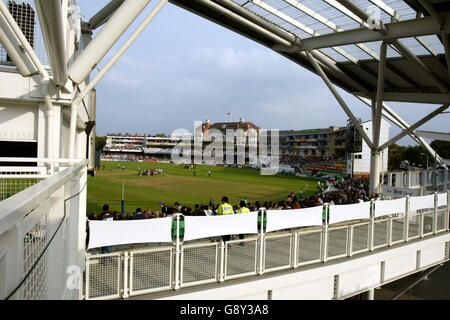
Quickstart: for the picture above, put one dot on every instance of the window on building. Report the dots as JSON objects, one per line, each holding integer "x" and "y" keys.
{"x": 15, "y": 149}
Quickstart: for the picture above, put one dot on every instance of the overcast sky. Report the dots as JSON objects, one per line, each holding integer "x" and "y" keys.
{"x": 184, "y": 68}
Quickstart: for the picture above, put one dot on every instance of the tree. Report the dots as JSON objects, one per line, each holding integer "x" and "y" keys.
{"x": 442, "y": 148}
{"x": 100, "y": 143}
{"x": 161, "y": 135}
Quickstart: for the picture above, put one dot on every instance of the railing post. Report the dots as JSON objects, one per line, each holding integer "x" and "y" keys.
{"x": 294, "y": 242}
{"x": 350, "y": 240}
{"x": 177, "y": 255}
{"x": 325, "y": 235}
{"x": 389, "y": 230}
{"x": 435, "y": 215}
{"x": 222, "y": 261}
{"x": 447, "y": 211}
{"x": 406, "y": 221}
{"x": 372, "y": 225}
{"x": 261, "y": 244}
{"x": 126, "y": 273}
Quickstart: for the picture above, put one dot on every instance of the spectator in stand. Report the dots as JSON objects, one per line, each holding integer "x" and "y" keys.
{"x": 139, "y": 215}
{"x": 93, "y": 217}
{"x": 208, "y": 210}
{"x": 164, "y": 209}
{"x": 197, "y": 211}
{"x": 106, "y": 216}
{"x": 117, "y": 216}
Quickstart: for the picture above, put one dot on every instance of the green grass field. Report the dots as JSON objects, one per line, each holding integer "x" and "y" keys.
{"x": 179, "y": 184}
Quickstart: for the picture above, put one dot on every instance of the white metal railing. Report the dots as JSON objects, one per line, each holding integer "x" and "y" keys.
{"x": 42, "y": 236}
{"x": 16, "y": 179}
{"x": 217, "y": 261}
{"x": 432, "y": 179}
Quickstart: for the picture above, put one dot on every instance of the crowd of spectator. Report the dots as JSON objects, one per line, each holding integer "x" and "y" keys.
{"x": 349, "y": 191}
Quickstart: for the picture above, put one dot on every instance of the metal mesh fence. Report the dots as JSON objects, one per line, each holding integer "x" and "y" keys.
{"x": 428, "y": 222}
{"x": 103, "y": 276}
{"x": 397, "y": 229}
{"x": 414, "y": 222}
{"x": 199, "y": 264}
{"x": 441, "y": 216}
{"x": 241, "y": 258}
{"x": 309, "y": 247}
{"x": 360, "y": 241}
{"x": 381, "y": 233}
{"x": 34, "y": 242}
{"x": 277, "y": 251}
{"x": 9, "y": 187}
{"x": 151, "y": 270}
{"x": 24, "y": 13}
{"x": 337, "y": 242}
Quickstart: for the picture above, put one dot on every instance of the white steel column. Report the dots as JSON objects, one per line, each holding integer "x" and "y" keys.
{"x": 339, "y": 99}
{"x": 122, "y": 50}
{"x": 105, "y": 39}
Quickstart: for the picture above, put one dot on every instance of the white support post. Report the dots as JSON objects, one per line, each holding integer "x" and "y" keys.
{"x": 375, "y": 171}
{"x": 372, "y": 225}
{"x": 406, "y": 220}
{"x": 435, "y": 214}
{"x": 294, "y": 251}
{"x": 447, "y": 211}
{"x": 105, "y": 39}
{"x": 177, "y": 255}
{"x": 339, "y": 99}
{"x": 350, "y": 240}
{"x": 126, "y": 274}
{"x": 222, "y": 261}
{"x": 122, "y": 49}
{"x": 261, "y": 244}
{"x": 325, "y": 235}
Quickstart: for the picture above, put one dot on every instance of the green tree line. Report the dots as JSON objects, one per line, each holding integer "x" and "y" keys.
{"x": 417, "y": 155}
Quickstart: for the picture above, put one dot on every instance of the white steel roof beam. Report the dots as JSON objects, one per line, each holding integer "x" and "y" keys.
{"x": 403, "y": 29}
{"x": 104, "y": 14}
{"x": 107, "y": 67}
{"x": 119, "y": 22}
{"x": 13, "y": 47}
{"x": 50, "y": 17}
{"x": 329, "y": 24}
{"x": 390, "y": 114}
{"x": 20, "y": 37}
{"x": 364, "y": 16}
{"x": 396, "y": 17}
{"x": 286, "y": 42}
{"x": 415, "y": 126}
{"x": 340, "y": 100}
{"x": 301, "y": 26}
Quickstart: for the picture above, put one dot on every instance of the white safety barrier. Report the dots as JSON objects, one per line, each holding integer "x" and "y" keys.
{"x": 417, "y": 203}
{"x": 388, "y": 207}
{"x": 102, "y": 234}
{"x": 306, "y": 238}
{"x": 214, "y": 226}
{"x": 279, "y": 220}
{"x": 349, "y": 212}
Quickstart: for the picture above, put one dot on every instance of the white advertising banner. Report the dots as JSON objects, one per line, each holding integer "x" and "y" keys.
{"x": 286, "y": 219}
{"x": 399, "y": 192}
{"x": 214, "y": 226}
{"x": 386, "y": 207}
{"x": 442, "y": 199}
{"x": 349, "y": 212}
{"x": 416, "y": 203}
{"x": 111, "y": 233}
